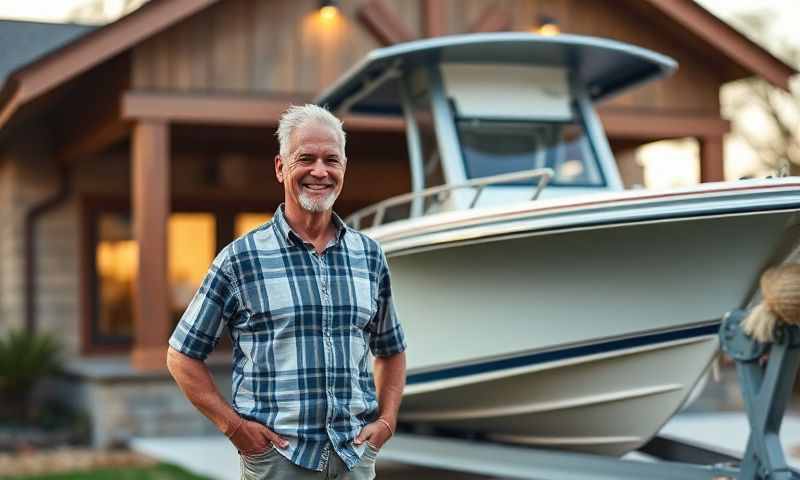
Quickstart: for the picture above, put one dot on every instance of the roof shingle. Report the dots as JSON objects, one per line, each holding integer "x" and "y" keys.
{"x": 23, "y": 41}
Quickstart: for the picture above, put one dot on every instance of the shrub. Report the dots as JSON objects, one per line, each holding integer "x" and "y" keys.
{"x": 25, "y": 359}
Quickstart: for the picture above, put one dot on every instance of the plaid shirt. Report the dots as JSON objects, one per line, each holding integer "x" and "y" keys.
{"x": 300, "y": 324}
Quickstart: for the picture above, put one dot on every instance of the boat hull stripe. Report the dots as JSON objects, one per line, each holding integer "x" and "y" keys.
{"x": 562, "y": 354}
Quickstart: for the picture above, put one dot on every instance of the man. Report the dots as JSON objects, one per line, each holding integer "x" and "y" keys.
{"x": 304, "y": 297}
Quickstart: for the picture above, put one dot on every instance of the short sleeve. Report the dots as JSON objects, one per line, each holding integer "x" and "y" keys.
{"x": 211, "y": 308}
{"x": 387, "y": 337}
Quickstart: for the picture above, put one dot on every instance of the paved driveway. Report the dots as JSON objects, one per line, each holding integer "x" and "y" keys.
{"x": 215, "y": 457}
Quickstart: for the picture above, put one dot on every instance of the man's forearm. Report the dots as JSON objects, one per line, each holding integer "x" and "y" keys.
{"x": 194, "y": 379}
{"x": 390, "y": 379}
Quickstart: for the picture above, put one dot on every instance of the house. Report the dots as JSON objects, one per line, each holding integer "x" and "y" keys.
{"x": 131, "y": 153}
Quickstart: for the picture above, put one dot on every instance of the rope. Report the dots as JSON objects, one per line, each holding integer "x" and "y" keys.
{"x": 780, "y": 289}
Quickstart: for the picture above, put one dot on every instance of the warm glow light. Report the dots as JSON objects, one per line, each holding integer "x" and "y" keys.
{"x": 328, "y": 13}
{"x": 244, "y": 222}
{"x": 670, "y": 163}
{"x": 191, "y": 242}
{"x": 570, "y": 169}
{"x": 548, "y": 29}
{"x": 117, "y": 260}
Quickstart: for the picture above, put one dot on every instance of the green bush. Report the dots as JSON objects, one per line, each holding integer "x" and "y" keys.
{"x": 25, "y": 359}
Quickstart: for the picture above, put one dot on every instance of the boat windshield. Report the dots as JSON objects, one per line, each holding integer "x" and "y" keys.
{"x": 492, "y": 147}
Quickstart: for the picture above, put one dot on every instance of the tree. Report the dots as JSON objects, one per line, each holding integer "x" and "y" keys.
{"x": 766, "y": 117}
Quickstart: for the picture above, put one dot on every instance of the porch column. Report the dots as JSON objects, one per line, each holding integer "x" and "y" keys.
{"x": 712, "y": 164}
{"x": 150, "y": 175}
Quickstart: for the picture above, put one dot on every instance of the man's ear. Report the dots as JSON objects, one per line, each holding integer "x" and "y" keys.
{"x": 279, "y": 168}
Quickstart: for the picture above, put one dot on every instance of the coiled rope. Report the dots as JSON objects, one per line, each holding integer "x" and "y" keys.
{"x": 780, "y": 289}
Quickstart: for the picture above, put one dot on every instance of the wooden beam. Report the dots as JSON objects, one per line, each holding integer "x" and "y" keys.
{"x": 93, "y": 141}
{"x": 150, "y": 172}
{"x": 204, "y": 109}
{"x": 492, "y": 19}
{"x": 10, "y": 100}
{"x": 434, "y": 18}
{"x": 232, "y": 110}
{"x": 646, "y": 124}
{"x": 383, "y": 23}
{"x": 730, "y": 42}
{"x": 712, "y": 159}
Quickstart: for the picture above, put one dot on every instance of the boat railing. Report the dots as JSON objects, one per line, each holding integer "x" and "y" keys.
{"x": 441, "y": 193}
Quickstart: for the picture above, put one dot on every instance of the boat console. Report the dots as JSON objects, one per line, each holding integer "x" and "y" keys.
{"x": 480, "y": 107}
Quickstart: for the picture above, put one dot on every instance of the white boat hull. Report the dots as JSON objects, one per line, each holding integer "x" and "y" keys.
{"x": 608, "y": 403}
{"x": 475, "y": 305}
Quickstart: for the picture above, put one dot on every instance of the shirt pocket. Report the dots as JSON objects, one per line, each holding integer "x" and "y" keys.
{"x": 363, "y": 302}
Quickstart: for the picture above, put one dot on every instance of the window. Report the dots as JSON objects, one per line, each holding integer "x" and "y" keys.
{"x": 194, "y": 237}
{"x": 116, "y": 257}
{"x": 192, "y": 247}
{"x": 493, "y": 147}
{"x": 244, "y": 222}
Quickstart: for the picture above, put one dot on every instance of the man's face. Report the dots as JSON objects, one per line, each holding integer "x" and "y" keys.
{"x": 313, "y": 173}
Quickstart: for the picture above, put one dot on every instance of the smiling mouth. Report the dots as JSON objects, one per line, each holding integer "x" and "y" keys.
{"x": 317, "y": 187}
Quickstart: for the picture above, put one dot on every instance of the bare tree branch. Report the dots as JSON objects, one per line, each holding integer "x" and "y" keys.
{"x": 778, "y": 145}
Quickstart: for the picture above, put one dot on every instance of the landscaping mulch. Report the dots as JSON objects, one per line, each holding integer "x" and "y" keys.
{"x": 66, "y": 460}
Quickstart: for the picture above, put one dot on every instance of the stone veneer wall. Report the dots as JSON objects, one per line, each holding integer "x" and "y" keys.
{"x": 5, "y": 254}
{"x": 32, "y": 177}
{"x": 25, "y": 179}
{"x": 28, "y": 176}
{"x": 123, "y": 404}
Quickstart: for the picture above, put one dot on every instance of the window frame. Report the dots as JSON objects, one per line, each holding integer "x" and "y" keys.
{"x": 577, "y": 118}
{"x": 92, "y": 207}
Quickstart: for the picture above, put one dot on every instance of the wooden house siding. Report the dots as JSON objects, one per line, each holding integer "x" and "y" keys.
{"x": 252, "y": 46}
{"x": 694, "y": 87}
{"x": 268, "y": 46}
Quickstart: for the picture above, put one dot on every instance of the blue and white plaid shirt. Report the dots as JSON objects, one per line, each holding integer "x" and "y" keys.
{"x": 300, "y": 324}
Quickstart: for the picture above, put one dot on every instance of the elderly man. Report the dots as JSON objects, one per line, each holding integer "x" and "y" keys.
{"x": 304, "y": 297}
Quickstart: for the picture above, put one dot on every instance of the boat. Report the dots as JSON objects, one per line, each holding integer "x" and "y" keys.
{"x": 543, "y": 304}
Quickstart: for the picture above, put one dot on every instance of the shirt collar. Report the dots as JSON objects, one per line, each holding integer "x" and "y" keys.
{"x": 286, "y": 232}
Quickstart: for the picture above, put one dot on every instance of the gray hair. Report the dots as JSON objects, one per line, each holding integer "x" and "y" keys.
{"x": 296, "y": 116}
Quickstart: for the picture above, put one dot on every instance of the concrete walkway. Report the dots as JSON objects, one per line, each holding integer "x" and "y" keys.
{"x": 729, "y": 431}
{"x": 215, "y": 457}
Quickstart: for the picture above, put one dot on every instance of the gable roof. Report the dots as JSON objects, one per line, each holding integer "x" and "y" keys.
{"x": 78, "y": 56}
{"x": 706, "y": 28}
{"x": 25, "y": 41}
{"x": 47, "y": 72}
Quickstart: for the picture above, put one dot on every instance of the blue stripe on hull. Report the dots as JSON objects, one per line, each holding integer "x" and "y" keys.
{"x": 563, "y": 354}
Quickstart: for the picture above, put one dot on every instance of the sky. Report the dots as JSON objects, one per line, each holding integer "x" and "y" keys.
{"x": 53, "y": 10}
{"x": 59, "y": 10}
{"x": 786, "y": 20}
{"x": 667, "y": 164}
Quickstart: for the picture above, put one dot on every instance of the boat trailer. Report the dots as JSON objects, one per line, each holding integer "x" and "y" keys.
{"x": 766, "y": 374}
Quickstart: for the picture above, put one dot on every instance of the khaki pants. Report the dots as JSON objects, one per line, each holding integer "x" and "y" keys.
{"x": 271, "y": 465}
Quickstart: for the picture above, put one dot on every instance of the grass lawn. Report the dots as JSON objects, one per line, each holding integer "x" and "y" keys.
{"x": 158, "y": 472}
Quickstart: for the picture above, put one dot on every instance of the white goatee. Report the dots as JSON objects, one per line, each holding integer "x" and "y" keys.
{"x": 315, "y": 206}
